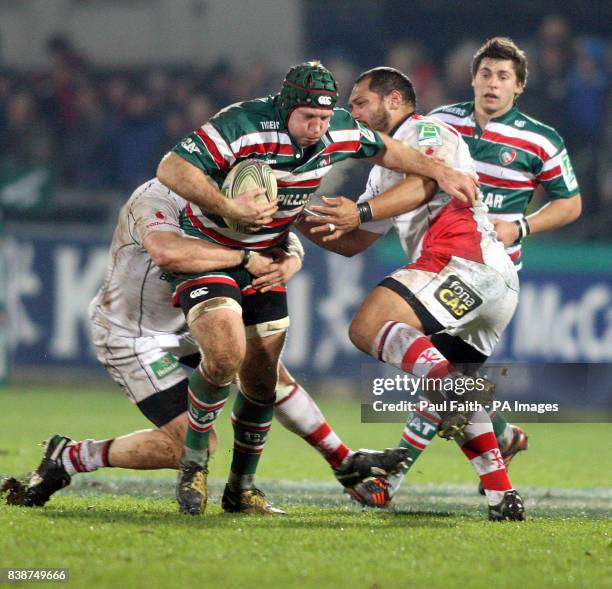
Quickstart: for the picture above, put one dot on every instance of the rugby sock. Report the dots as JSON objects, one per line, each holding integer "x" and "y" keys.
{"x": 478, "y": 443}
{"x": 409, "y": 350}
{"x": 501, "y": 428}
{"x": 86, "y": 456}
{"x": 419, "y": 431}
{"x": 205, "y": 401}
{"x": 297, "y": 412}
{"x": 251, "y": 421}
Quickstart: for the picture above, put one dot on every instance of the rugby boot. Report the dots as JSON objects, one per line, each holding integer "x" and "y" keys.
{"x": 372, "y": 492}
{"x": 509, "y": 508}
{"x": 364, "y": 464}
{"x": 518, "y": 443}
{"x": 250, "y": 501}
{"x": 50, "y": 476}
{"x": 454, "y": 421}
{"x": 191, "y": 490}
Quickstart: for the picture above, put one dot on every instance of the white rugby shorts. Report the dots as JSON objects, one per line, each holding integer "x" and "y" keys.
{"x": 143, "y": 366}
{"x": 470, "y": 300}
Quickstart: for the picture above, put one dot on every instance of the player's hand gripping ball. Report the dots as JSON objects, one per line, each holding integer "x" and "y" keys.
{"x": 248, "y": 175}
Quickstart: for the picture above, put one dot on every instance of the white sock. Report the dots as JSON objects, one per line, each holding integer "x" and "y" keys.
{"x": 297, "y": 412}
{"x": 85, "y": 456}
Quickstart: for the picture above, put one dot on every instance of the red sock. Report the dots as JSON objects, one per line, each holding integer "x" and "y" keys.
{"x": 409, "y": 350}
{"x": 480, "y": 446}
{"x": 331, "y": 447}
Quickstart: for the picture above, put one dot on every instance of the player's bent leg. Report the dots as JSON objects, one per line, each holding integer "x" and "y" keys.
{"x": 421, "y": 426}
{"x": 299, "y": 413}
{"x": 145, "y": 449}
{"x": 381, "y": 306}
{"x": 216, "y": 324}
{"x": 391, "y": 326}
{"x": 251, "y": 421}
{"x": 407, "y": 348}
{"x": 220, "y": 334}
{"x": 153, "y": 449}
{"x": 511, "y": 438}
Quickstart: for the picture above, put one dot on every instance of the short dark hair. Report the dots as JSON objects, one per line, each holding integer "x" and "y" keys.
{"x": 502, "y": 48}
{"x": 383, "y": 80}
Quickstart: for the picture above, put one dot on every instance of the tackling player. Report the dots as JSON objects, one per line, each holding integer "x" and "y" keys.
{"x": 300, "y": 135}
{"x": 451, "y": 304}
{"x": 143, "y": 342}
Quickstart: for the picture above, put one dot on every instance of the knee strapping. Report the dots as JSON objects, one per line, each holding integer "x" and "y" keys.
{"x": 267, "y": 328}
{"x": 212, "y": 305}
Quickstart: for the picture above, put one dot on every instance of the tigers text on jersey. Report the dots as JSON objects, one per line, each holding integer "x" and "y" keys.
{"x": 254, "y": 129}
{"x": 443, "y": 225}
{"x": 134, "y": 300}
{"x": 513, "y": 155}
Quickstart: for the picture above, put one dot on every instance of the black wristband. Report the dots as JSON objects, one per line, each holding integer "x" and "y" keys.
{"x": 523, "y": 229}
{"x": 246, "y": 258}
{"x": 365, "y": 212}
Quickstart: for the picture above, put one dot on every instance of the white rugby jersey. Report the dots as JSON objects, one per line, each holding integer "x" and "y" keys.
{"x": 457, "y": 227}
{"x": 134, "y": 300}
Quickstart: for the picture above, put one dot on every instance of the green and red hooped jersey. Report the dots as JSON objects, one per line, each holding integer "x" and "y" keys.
{"x": 513, "y": 154}
{"x": 254, "y": 129}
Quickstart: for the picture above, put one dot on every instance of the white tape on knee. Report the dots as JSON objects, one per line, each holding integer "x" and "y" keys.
{"x": 212, "y": 305}
{"x": 267, "y": 328}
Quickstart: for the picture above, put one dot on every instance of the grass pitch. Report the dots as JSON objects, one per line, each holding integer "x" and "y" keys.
{"x": 120, "y": 528}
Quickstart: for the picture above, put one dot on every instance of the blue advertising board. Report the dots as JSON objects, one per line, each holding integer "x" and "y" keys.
{"x": 563, "y": 316}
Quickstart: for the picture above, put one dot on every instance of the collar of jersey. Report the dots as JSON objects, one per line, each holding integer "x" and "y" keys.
{"x": 508, "y": 115}
{"x": 408, "y": 116}
{"x": 501, "y": 118}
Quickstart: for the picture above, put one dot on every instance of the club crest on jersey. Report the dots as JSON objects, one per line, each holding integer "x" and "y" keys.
{"x": 456, "y": 297}
{"x": 507, "y": 156}
{"x": 428, "y": 134}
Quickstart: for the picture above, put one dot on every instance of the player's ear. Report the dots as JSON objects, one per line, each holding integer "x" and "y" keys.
{"x": 395, "y": 99}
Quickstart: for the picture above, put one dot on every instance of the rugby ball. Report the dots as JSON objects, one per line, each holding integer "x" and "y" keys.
{"x": 248, "y": 175}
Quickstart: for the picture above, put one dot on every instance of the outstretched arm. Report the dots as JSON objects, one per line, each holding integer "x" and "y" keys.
{"x": 400, "y": 157}
{"x": 347, "y": 245}
{"x": 343, "y": 213}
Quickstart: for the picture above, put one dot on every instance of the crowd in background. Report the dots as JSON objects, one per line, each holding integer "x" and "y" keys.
{"x": 75, "y": 128}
